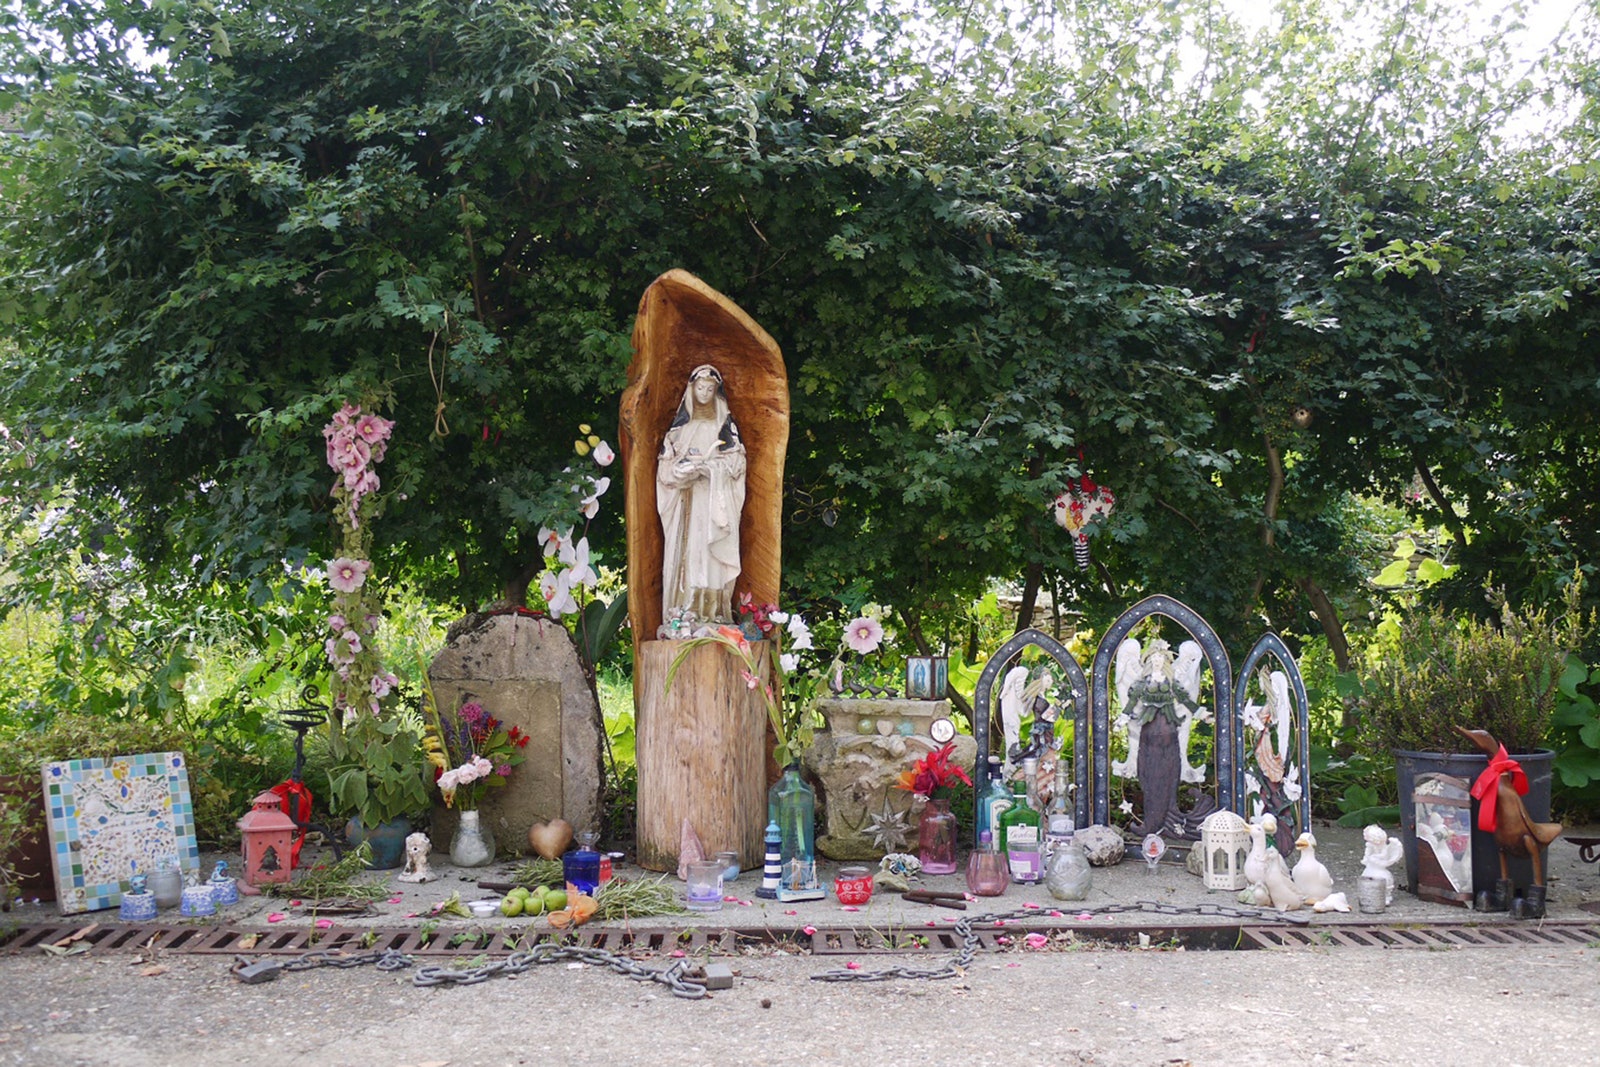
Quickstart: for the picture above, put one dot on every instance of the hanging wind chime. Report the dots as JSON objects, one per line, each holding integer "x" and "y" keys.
{"x": 1081, "y": 506}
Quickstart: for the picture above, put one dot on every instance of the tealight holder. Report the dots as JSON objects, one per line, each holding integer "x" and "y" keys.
{"x": 138, "y": 903}
{"x": 224, "y": 887}
{"x": 853, "y": 885}
{"x": 198, "y": 902}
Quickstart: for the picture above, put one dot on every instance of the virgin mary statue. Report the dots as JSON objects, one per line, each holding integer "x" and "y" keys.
{"x": 699, "y": 495}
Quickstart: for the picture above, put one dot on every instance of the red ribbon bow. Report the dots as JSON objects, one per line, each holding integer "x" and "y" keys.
{"x": 1486, "y": 790}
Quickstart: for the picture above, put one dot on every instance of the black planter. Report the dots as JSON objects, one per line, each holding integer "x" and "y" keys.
{"x": 1410, "y": 766}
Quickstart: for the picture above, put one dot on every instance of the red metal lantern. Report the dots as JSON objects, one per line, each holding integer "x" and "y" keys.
{"x": 268, "y": 840}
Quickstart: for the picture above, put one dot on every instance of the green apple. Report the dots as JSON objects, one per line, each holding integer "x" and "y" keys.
{"x": 555, "y": 900}
{"x": 533, "y": 905}
{"x": 511, "y": 906}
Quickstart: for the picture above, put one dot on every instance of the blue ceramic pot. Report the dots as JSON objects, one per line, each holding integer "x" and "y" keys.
{"x": 388, "y": 841}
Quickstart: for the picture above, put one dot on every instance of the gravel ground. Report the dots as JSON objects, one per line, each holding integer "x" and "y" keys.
{"x": 1469, "y": 1006}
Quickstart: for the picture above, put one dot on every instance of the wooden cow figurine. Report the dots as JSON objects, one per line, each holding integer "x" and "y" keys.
{"x": 1501, "y": 811}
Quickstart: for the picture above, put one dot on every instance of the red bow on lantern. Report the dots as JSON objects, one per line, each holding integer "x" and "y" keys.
{"x": 1486, "y": 790}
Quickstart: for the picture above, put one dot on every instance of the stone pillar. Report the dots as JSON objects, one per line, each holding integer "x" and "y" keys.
{"x": 856, "y": 761}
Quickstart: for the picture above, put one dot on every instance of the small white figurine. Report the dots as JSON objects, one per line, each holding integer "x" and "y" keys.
{"x": 1382, "y": 853}
{"x": 1255, "y": 861}
{"x": 1310, "y": 875}
{"x": 417, "y": 849}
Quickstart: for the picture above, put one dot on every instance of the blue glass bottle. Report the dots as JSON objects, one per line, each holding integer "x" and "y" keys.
{"x": 581, "y": 868}
{"x": 792, "y": 805}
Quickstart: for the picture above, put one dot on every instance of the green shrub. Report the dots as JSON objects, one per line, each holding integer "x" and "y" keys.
{"x": 1440, "y": 671}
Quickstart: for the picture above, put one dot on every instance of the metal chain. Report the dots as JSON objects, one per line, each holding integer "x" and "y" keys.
{"x": 970, "y": 941}
{"x": 673, "y": 976}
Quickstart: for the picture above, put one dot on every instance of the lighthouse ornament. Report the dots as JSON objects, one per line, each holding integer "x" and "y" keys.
{"x": 1081, "y": 506}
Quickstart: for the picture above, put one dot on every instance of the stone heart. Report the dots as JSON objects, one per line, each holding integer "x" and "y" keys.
{"x": 550, "y": 839}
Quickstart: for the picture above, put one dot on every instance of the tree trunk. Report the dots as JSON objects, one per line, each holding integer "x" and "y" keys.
{"x": 701, "y": 754}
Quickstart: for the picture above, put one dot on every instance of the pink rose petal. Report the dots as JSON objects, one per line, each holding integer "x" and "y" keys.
{"x": 276, "y": 917}
{"x": 852, "y": 966}
{"x": 1036, "y": 941}
{"x": 294, "y": 903}
{"x": 810, "y": 931}
{"x": 396, "y": 899}
{"x": 1013, "y": 965}
{"x": 1084, "y": 916}
{"x": 677, "y": 953}
{"x": 324, "y": 924}
{"x": 930, "y": 922}
{"x": 849, "y": 907}
{"x": 999, "y": 922}
{"x": 791, "y": 911}
{"x": 1031, "y": 904}
{"x": 1053, "y": 913}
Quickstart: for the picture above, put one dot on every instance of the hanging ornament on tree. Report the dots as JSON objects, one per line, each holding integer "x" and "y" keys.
{"x": 1081, "y": 506}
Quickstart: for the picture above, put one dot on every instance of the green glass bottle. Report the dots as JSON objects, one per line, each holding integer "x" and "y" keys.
{"x": 1019, "y": 814}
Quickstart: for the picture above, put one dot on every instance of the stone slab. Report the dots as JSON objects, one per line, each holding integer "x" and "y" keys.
{"x": 525, "y": 671}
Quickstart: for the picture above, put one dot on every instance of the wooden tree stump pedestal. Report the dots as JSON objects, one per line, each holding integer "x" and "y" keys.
{"x": 701, "y": 750}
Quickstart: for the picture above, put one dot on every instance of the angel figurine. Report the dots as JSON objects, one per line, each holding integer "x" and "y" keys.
{"x": 1382, "y": 852}
{"x": 1019, "y": 697}
{"x": 1159, "y": 694}
{"x": 1279, "y": 785}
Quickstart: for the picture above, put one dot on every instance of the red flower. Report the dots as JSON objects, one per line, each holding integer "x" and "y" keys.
{"x": 933, "y": 771}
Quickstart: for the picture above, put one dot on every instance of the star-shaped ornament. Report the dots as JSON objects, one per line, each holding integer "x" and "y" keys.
{"x": 888, "y": 828}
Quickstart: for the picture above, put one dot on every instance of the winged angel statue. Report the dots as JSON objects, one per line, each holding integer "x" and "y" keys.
{"x": 1159, "y": 695}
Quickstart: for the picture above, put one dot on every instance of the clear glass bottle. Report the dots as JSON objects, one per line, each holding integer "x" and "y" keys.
{"x": 1061, "y": 820}
{"x": 792, "y": 804}
{"x": 1030, "y": 776}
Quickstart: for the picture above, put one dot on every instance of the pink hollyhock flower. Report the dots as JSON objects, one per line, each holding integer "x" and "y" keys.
{"x": 383, "y": 684}
{"x": 863, "y": 635}
{"x": 347, "y": 575}
{"x": 372, "y": 429}
{"x": 346, "y": 453}
{"x": 338, "y": 623}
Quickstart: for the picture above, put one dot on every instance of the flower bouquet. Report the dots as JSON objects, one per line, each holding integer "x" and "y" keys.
{"x": 471, "y": 752}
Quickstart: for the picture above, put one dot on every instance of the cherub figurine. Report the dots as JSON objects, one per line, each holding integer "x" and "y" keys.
{"x": 418, "y": 846}
{"x": 1382, "y": 853}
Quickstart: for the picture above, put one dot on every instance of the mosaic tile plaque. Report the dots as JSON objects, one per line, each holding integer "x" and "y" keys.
{"x": 112, "y": 819}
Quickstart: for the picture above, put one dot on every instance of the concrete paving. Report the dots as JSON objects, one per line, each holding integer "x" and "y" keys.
{"x": 1070, "y": 1000}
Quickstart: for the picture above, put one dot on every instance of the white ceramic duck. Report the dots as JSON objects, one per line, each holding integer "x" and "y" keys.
{"x": 1310, "y": 875}
{"x": 1255, "y": 861}
{"x": 1286, "y": 896}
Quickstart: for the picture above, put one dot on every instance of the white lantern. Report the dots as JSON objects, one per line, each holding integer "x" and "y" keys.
{"x": 1224, "y": 841}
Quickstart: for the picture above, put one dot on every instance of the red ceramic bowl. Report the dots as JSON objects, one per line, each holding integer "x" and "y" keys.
{"x": 854, "y": 885}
